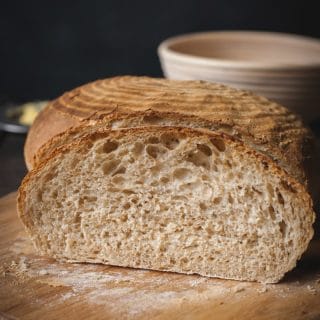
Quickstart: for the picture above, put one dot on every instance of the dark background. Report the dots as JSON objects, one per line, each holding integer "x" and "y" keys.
{"x": 48, "y": 47}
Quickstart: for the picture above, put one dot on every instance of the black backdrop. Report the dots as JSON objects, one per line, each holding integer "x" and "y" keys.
{"x": 48, "y": 47}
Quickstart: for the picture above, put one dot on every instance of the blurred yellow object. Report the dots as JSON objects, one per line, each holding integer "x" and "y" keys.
{"x": 29, "y": 111}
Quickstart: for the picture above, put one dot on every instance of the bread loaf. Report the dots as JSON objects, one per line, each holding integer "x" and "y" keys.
{"x": 179, "y": 176}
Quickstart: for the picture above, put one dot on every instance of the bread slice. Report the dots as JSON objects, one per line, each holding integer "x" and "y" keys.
{"x": 168, "y": 198}
{"x": 302, "y": 168}
{"x": 116, "y": 120}
{"x": 261, "y": 124}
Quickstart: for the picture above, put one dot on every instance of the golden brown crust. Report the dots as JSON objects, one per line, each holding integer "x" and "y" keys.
{"x": 259, "y": 122}
{"x": 48, "y": 123}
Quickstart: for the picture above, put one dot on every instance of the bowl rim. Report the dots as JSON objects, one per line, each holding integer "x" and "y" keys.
{"x": 165, "y": 51}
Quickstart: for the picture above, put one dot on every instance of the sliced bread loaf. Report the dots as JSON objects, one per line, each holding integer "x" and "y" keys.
{"x": 168, "y": 198}
{"x": 183, "y": 176}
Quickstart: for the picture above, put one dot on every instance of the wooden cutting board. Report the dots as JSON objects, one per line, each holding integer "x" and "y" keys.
{"x": 33, "y": 287}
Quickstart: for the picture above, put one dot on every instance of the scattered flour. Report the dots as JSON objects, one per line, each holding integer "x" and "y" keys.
{"x": 136, "y": 291}
{"x": 131, "y": 292}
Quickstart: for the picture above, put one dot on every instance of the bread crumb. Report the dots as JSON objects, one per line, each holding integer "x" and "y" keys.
{"x": 53, "y": 283}
{"x": 23, "y": 264}
{"x": 3, "y": 271}
{"x": 18, "y": 269}
{"x": 239, "y": 288}
{"x": 312, "y": 289}
{"x": 263, "y": 289}
{"x": 13, "y": 264}
{"x": 43, "y": 272}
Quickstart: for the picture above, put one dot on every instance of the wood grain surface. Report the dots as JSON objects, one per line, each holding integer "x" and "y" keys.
{"x": 33, "y": 287}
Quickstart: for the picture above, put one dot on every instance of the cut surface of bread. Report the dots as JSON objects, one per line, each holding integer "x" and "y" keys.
{"x": 116, "y": 120}
{"x": 167, "y": 198}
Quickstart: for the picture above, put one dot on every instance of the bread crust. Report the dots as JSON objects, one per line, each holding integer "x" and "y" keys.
{"x": 48, "y": 123}
{"x": 258, "y": 122}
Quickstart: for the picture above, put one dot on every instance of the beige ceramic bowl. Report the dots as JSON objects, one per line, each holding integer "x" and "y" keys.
{"x": 285, "y": 68}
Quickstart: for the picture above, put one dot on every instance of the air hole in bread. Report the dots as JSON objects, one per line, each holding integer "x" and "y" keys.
{"x": 219, "y": 144}
{"x": 153, "y": 140}
{"x": 230, "y": 176}
{"x": 204, "y": 177}
{"x": 288, "y": 187}
{"x": 181, "y": 173}
{"x": 156, "y": 169}
{"x": 74, "y": 162}
{"x": 183, "y": 198}
{"x": 209, "y": 231}
{"x": 84, "y": 199}
{"x": 126, "y": 206}
{"x": 128, "y": 191}
{"x": 272, "y": 212}
{"x": 39, "y": 196}
{"x": 270, "y": 189}
{"x": 121, "y": 170}
{"x": 184, "y": 260}
{"x": 127, "y": 234}
{"x": 164, "y": 208}
{"x": 54, "y": 194}
{"x": 49, "y": 176}
{"x": 124, "y": 218}
{"x": 152, "y": 119}
{"x": 122, "y": 153}
{"x": 204, "y": 149}
{"x": 105, "y": 234}
{"x": 199, "y": 159}
{"x": 169, "y": 140}
{"x": 280, "y": 197}
{"x": 137, "y": 148}
{"x": 118, "y": 179}
{"x": 256, "y": 190}
{"x": 108, "y": 147}
{"x": 214, "y": 167}
{"x": 163, "y": 247}
{"x": 77, "y": 218}
{"x": 154, "y": 151}
{"x": 154, "y": 183}
{"x": 113, "y": 189}
{"x": 109, "y": 166}
{"x": 164, "y": 179}
{"x": 228, "y": 164}
{"x": 283, "y": 227}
